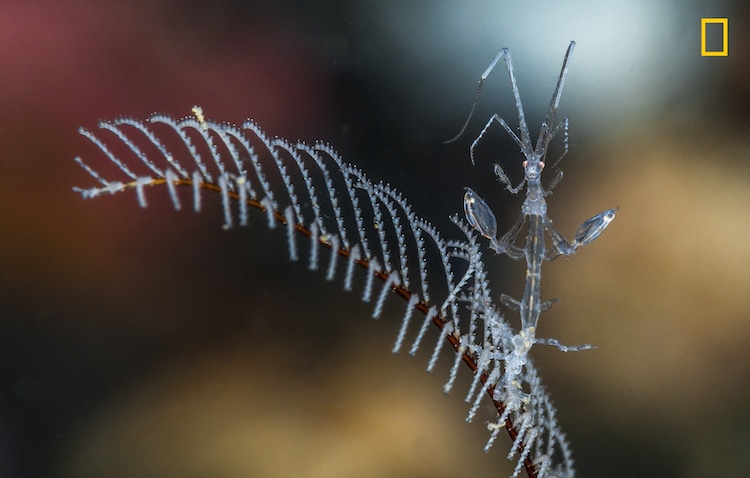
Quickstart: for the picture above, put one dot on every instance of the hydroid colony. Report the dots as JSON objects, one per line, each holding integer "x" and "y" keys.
{"x": 339, "y": 220}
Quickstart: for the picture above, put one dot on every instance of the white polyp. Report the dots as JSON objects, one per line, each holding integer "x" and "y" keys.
{"x": 139, "y": 185}
{"x": 520, "y": 464}
{"x": 481, "y": 367}
{"x": 241, "y": 182}
{"x": 495, "y": 427}
{"x": 89, "y": 170}
{"x": 393, "y": 280}
{"x": 431, "y": 313}
{"x": 447, "y": 330}
{"x": 113, "y": 127}
{"x": 314, "y": 246}
{"x": 151, "y": 137}
{"x": 380, "y": 226}
{"x": 493, "y": 377}
{"x": 113, "y": 187}
{"x": 225, "y": 131}
{"x": 528, "y": 442}
{"x": 334, "y": 256}
{"x": 413, "y": 300}
{"x": 566, "y": 451}
{"x": 500, "y": 397}
{"x": 197, "y": 180}
{"x": 170, "y": 178}
{"x": 202, "y": 129}
{"x": 423, "y": 283}
{"x": 456, "y": 362}
{"x": 373, "y": 267}
{"x": 157, "y": 118}
{"x": 544, "y": 463}
{"x": 452, "y": 294}
{"x": 519, "y": 438}
{"x": 353, "y": 257}
{"x": 291, "y": 237}
{"x": 267, "y": 203}
{"x": 225, "y": 201}
{"x": 107, "y": 152}
{"x": 88, "y": 193}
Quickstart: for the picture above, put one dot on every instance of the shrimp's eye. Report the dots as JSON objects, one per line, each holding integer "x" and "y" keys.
{"x": 541, "y": 165}
{"x": 525, "y": 163}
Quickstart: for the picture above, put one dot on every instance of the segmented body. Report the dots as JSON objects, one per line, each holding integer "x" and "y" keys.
{"x": 534, "y": 208}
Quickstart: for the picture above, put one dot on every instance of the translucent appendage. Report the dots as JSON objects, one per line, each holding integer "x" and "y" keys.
{"x": 479, "y": 215}
{"x": 592, "y": 228}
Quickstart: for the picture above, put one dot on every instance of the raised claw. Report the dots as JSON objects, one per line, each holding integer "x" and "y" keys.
{"x": 593, "y": 227}
{"x": 479, "y": 215}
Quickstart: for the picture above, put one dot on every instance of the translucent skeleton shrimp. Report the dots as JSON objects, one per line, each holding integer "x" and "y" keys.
{"x": 534, "y": 208}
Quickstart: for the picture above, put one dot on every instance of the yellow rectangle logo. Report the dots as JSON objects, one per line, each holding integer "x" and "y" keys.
{"x": 724, "y": 22}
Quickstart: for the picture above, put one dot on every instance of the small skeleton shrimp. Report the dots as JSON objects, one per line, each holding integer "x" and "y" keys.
{"x": 534, "y": 208}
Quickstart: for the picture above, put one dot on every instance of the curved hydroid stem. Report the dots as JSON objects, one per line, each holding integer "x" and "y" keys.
{"x": 347, "y": 221}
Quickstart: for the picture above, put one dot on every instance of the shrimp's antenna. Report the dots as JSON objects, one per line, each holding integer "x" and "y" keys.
{"x": 482, "y": 79}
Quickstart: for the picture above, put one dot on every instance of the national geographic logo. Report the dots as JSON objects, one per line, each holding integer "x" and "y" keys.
{"x": 714, "y": 36}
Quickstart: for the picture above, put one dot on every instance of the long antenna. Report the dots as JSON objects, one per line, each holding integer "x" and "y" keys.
{"x": 503, "y": 51}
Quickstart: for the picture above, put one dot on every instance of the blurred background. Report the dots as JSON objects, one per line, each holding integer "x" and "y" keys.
{"x": 153, "y": 343}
